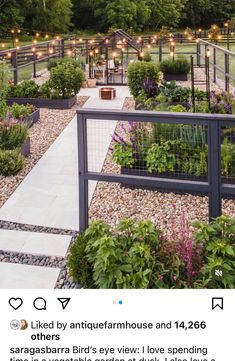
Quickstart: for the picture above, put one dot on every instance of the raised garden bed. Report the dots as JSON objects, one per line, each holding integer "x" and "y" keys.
{"x": 45, "y": 103}
{"x": 33, "y": 118}
{"x": 25, "y": 148}
{"x": 176, "y": 77}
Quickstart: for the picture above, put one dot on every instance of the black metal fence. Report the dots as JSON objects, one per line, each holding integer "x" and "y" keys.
{"x": 213, "y": 185}
{"x": 221, "y": 60}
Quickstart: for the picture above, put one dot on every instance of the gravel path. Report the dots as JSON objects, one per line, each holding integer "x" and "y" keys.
{"x": 42, "y": 135}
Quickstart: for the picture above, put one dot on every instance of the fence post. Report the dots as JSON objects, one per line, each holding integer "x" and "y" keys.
{"x": 199, "y": 53}
{"x": 214, "y": 169}
{"x": 34, "y": 64}
{"x": 160, "y": 50}
{"x": 62, "y": 47}
{"x": 226, "y": 58}
{"x": 82, "y": 169}
{"x": 214, "y": 65}
{"x": 15, "y": 66}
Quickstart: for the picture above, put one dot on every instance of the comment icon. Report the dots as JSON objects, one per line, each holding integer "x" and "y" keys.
{"x": 40, "y": 304}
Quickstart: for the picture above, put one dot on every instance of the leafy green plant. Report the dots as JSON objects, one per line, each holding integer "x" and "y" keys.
{"x": 12, "y": 134}
{"x": 66, "y": 80}
{"x": 121, "y": 258}
{"x": 26, "y": 89}
{"x": 76, "y": 63}
{"x": 219, "y": 240}
{"x": 4, "y": 79}
{"x": 228, "y": 158}
{"x": 138, "y": 72}
{"x": 11, "y": 162}
{"x": 19, "y": 111}
{"x": 193, "y": 135}
{"x": 177, "y": 108}
{"x": 175, "y": 93}
{"x": 123, "y": 155}
{"x": 159, "y": 158}
{"x": 78, "y": 265}
{"x": 3, "y": 108}
{"x": 180, "y": 65}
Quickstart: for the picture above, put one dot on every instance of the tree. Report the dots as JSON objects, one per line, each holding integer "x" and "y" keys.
{"x": 49, "y": 15}
{"x": 122, "y": 13}
{"x": 165, "y": 13}
{"x": 12, "y": 14}
{"x": 206, "y": 12}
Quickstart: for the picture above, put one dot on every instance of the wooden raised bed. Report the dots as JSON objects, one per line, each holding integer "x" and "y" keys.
{"x": 45, "y": 103}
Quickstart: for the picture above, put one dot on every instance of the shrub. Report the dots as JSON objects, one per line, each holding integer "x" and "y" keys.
{"x": 11, "y": 162}
{"x": 147, "y": 56}
{"x": 175, "y": 93}
{"x": 12, "y": 134}
{"x": 122, "y": 258}
{"x": 21, "y": 111}
{"x": 26, "y": 89}
{"x": 180, "y": 65}
{"x": 66, "y": 80}
{"x": 138, "y": 72}
{"x": 55, "y": 62}
{"x": 218, "y": 237}
{"x": 79, "y": 266}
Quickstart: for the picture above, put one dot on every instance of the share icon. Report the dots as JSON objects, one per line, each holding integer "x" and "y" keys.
{"x": 64, "y": 302}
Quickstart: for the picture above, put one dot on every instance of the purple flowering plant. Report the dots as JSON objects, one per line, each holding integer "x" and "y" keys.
{"x": 222, "y": 103}
{"x": 129, "y": 144}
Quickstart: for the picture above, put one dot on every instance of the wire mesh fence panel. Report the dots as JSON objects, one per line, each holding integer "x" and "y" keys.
{"x": 149, "y": 149}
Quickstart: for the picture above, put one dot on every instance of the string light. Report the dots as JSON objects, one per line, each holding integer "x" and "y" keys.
{"x": 208, "y": 53}
{"x": 51, "y": 51}
{"x": 172, "y": 54}
{"x": 114, "y": 54}
{"x": 35, "y": 41}
{"x": 16, "y": 40}
{"x": 9, "y": 54}
{"x": 199, "y": 30}
{"x": 96, "y": 51}
{"x": 69, "y": 52}
{"x": 74, "y": 42}
{"x": 148, "y": 46}
{"x": 91, "y": 53}
{"x": 80, "y": 40}
{"x": 219, "y": 37}
{"x": 12, "y": 31}
{"x": 142, "y": 54}
{"x": 46, "y": 36}
{"x": 37, "y": 35}
{"x": 3, "y": 45}
{"x": 39, "y": 54}
{"x": 53, "y": 42}
{"x": 18, "y": 31}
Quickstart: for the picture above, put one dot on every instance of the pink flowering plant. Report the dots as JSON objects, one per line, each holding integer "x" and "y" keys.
{"x": 13, "y": 133}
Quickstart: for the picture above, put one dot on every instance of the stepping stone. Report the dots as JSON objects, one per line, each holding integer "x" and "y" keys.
{"x": 18, "y": 276}
{"x": 34, "y": 243}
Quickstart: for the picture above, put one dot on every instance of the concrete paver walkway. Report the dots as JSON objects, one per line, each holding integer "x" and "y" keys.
{"x": 48, "y": 197}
